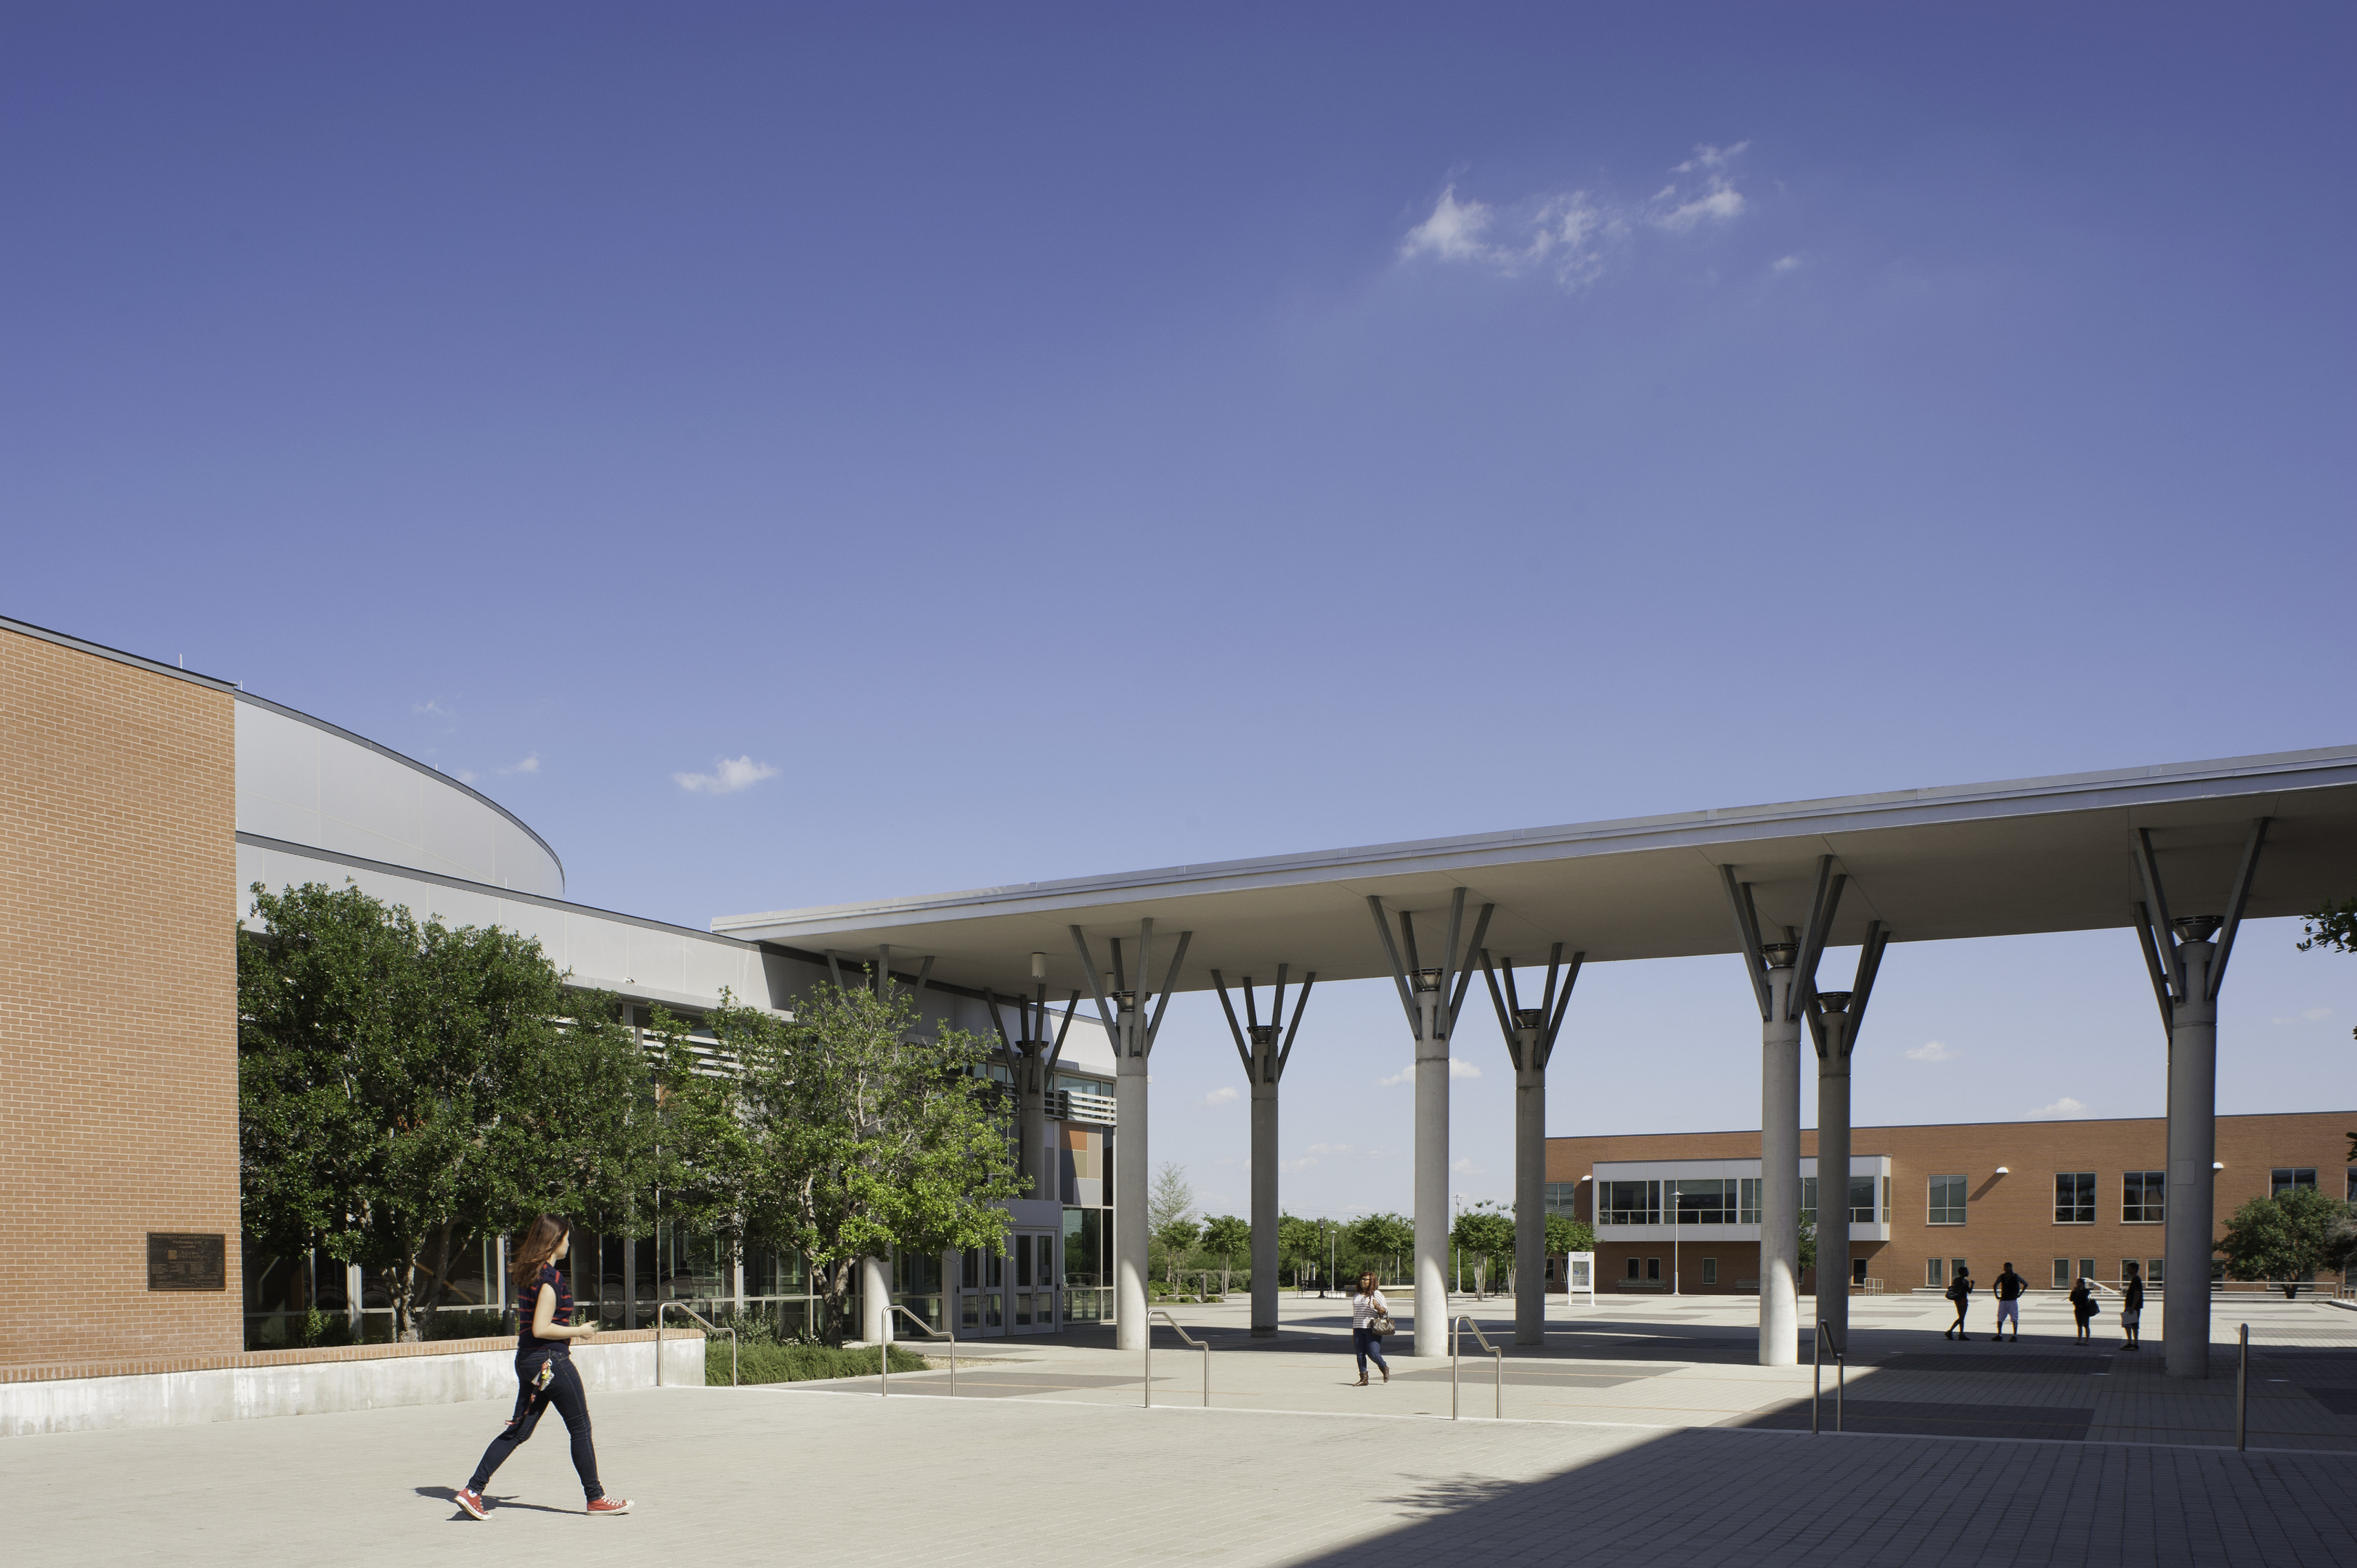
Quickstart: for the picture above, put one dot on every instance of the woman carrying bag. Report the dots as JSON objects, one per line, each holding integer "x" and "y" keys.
{"x": 544, "y": 1370}
{"x": 1371, "y": 1320}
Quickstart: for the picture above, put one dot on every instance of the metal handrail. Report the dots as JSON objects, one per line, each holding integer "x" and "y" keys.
{"x": 884, "y": 1345}
{"x": 709, "y": 1327}
{"x": 1496, "y": 1354}
{"x": 1817, "y": 1376}
{"x": 1204, "y": 1346}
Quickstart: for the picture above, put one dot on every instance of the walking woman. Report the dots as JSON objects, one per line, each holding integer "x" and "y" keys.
{"x": 1960, "y": 1291}
{"x": 545, "y": 1371}
{"x": 1371, "y": 1320}
{"x": 2131, "y": 1306}
{"x": 2083, "y": 1307}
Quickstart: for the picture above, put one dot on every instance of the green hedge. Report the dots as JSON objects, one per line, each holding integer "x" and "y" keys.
{"x": 797, "y": 1363}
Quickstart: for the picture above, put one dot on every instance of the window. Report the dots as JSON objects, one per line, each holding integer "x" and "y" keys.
{"x": 2140, "y": 1197}
{"x": 1947, "y": 1200}
{"x": 1809, "y": 1200}
{"x": 1632, "y": 1268}
{"x": 1886, "y": 1200}
{"x": 2284, "y": 1181}
{"x": 1708, "y": 1201}
{"x": 2154, "y": 1268}
{"x": 1956, "y": 1268}
{"x": 1935, "y": 1271}
{"x": 1632, "y": 1202}
{"x": 1561, "y": 1197}
{"x": 2352, "y": 1183}
{"x": 2074, "y": 1198}
{"x": 1653, "y": 1268}
{"x": 1861, "y": 1200}
{"x": 1710, "y": 1271}
{"x": 2062, "y": 1274}
{"x": 2086, "y": 1268}
{"x": 1747, "y": 1202}
{"x": 2130, "y": 1268}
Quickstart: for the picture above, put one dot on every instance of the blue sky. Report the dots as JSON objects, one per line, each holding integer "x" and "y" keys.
{"x": 994, "y": 444}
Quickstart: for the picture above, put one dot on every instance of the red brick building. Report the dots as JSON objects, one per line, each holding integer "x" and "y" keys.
{"x": 2054, "y": 1198}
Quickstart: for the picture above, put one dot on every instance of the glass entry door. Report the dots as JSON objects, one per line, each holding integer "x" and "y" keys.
{"x": 981, "y": 1294}
{"x": 1031, "y": 1285}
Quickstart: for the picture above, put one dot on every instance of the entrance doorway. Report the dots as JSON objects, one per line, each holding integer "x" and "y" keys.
{"x": 1013, "y": 1293}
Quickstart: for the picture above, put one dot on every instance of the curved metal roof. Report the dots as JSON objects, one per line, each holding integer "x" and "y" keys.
{"x": 1976, "y": 860}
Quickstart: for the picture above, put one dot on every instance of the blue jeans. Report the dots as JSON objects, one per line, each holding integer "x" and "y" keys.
{"x": 1367, "y": 1342}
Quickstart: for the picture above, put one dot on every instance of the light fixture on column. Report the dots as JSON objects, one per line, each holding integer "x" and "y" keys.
{"x": 1834, "y": 1001}
{"x": 1780, "y": 955}
{"x": 2197, "y": 927}
{"x": 1530, "y": 1018}
{"x": 1427, "y": 979}
{"x": 1038, "y": 966}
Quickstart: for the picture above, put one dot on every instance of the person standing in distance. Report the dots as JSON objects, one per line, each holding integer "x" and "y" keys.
{"x": 2131, "y": 1304}
{"x": 544, "y": 1370}
{"x": 2083, "y": 1307}
{"x": 1960, "y": 1291}
{"x": 1371, "y": 1320}
{"x": 2008, "y": 1286}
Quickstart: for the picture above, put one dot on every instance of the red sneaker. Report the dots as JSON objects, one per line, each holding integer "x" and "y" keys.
{"x": 610, "y": 1504}
{"x": 472, "y": 1501}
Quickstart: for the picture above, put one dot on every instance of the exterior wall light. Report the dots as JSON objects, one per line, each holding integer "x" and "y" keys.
{"x": 2002, "y": 1171}
{"x": 1038, "y": 966}
{"x": 1530, "y": 1017}
{"x": 1427, "y": 979}
{"x": 1780, "y": 955}
{"x": 2217, "y": 1166}
{"x": 1834, "y": 1001}
{"x": 2197, "y": 927}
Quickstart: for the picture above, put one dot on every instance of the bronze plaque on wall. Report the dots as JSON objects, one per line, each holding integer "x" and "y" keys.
{"x": 182, "y": 1261}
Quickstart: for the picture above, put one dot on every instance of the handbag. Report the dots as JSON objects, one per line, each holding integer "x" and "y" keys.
{"x": 1380, "y": 1324}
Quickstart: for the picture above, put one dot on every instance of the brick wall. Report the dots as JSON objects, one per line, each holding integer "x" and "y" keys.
{"x": 118, "y": 994}
{"x": 2008, "y": 1218}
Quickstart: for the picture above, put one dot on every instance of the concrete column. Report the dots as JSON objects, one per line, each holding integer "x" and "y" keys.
{"x": 1530, "y": 1195}
{"x": 2192, "y": 1150}
{"x": 1833, "y": 1174}
{"x": 1432, "y": 1176}
{"x": 1031, "y": 1120}
{"x": 1131, "y": 1180}
{"x": 874, "y": 1295}
{"x": 1265, "y": 1211}
{"x": 1780, "y": 1168}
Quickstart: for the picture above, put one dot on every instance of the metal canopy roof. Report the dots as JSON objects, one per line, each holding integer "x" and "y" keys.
{"x": 1977, "y": 859}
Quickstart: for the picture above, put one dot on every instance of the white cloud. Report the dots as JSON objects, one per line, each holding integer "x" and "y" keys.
{"x": 1710, "y": 158}
{"x": 1785, "y": 264}
{"x": 1566, "y": 232}
{"x": 1458, "y": 1068}
{"x": 529, "y": 765}
{"x": 1466, "y": 1166}
{"x": 1932, "y": 1051}
{"x": 464, "y": 776}
{"x": 2066, "y": 1106}
{"x": 2311, "y": 1016}
{"x": 1453, "y": 232}
{"x": 430, "y": 706}
{"x": 1296, "y": 1166}
{"x": 1328, "y": 1150}
{"x": 728, "y": 775}
{"x": 1227, "y": 1096}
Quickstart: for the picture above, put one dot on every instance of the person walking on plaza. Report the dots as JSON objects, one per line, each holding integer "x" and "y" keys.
{"x": 1371, "y": 1320}
{"x": 544, "y": 1370}
{"x": 2083, "y": 1307}
{"x": 1960, "y": 1291}
{"x": 2008, "y": 1286}
{"x": 2131, "y": 1304}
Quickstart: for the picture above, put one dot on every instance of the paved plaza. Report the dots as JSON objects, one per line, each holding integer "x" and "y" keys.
{"x": 1638, "y": 1433}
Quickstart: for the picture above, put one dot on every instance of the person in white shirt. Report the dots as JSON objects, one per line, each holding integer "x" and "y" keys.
{"x": 1368, "y": 1307}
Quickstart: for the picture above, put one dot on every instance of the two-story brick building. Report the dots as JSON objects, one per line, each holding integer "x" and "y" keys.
{"x": 1679, "y": 1211}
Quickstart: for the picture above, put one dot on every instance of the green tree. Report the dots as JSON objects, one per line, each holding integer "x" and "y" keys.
{"x": 2289, "y": 1237}
{"x": 1485, "y": 1232}
{"x": 1808, "y": 1242}
{"x": 405, "y": 1089}
{"x": 2334, "y": 928}
{"x": 861, "y": 1134}
{"x": 1565, "y": 1234}
{"x": 1299, "y": 1241}
{"x": 1387, "y": 1235}
{"x": 1225, "y": 1237}
{"x": 1170, "y": 1218}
